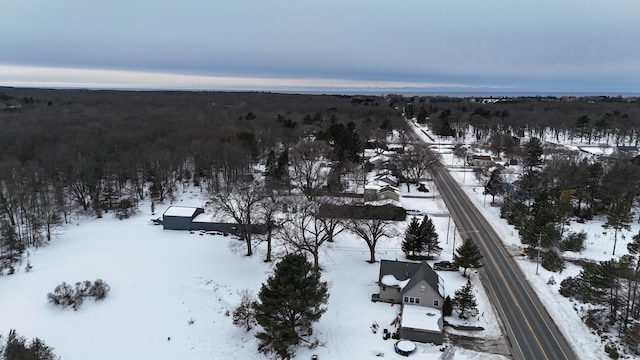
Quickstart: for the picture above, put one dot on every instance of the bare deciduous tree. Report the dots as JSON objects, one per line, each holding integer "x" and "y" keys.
{"x": 268, "y": 210}
{"x": 372, "y": 231}
{"x": 305, "y": 232}
{"x": 307, "y": 173}
{"x": 415, "y": 163}
{"x": 241, "y": 203}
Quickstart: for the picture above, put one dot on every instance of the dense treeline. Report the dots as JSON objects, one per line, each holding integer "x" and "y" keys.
{"x": 65, "y": 151}
{"x": 556, "y": 185}
{"x": 615, "y": 120}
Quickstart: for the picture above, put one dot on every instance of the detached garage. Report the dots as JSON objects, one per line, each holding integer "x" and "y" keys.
{"x": 180, "y": 217}
{"x": 422, "y": 324}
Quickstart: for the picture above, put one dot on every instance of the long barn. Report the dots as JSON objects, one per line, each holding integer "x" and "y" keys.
{"x": 180, "y": 217}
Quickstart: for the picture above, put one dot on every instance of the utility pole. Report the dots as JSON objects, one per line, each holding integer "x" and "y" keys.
{"x": 538, "y": 253}
{"x": 464, "y": 169}
{"x": 453, "y": 253}
{"x": 448, "y": 226}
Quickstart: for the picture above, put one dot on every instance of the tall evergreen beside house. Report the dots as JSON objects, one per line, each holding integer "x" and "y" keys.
{"x": 291, "y": 300}
{"x": 429, "y": 237}
{"x": 468, "y": 255}
{"x": 411, "y": 245}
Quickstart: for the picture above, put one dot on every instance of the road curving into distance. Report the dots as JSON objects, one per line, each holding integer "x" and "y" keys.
{"x": 530, "y": 331}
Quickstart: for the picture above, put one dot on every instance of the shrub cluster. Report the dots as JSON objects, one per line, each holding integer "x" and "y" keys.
{"x": 67, "y": 296}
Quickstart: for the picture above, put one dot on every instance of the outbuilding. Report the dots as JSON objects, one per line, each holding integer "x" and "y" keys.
{"x": 180, "y": 217}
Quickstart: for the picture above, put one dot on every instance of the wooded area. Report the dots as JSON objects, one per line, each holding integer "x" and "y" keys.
{"x": 93, "y": 153}
{"x": 97, "y": 152}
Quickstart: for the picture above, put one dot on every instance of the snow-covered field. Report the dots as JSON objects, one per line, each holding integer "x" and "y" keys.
{"x": 163, "y": 280}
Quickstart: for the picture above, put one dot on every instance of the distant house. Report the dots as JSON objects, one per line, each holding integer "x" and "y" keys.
{"x": 420, "y": 290}
{"x": 375, "y": 192}
{"x": 371, "y": 192}
{"x": 627, "y": 151}
{"x": 386, "y": 178}
{"x": 180, "y": 217}
{"x": 388, "y": 192}
{"x": 482, "y": 160}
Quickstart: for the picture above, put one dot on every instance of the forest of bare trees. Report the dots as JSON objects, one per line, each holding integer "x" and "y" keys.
{"x": 70, "y": 152}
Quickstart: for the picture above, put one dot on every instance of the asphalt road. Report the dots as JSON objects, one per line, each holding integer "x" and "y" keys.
{"x": 530, "y": 331}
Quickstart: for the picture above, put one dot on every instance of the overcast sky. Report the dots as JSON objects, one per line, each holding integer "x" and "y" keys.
{"x": 541, "y": 45}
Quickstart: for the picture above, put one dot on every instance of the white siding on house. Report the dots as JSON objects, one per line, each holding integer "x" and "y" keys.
{"x": 425, "y": 292}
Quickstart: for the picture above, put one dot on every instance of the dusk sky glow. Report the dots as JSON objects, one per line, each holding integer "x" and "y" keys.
{"x": 543, "y": 46}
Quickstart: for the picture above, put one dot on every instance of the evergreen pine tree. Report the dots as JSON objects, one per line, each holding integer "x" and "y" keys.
{"x": 16, "y": 347}
{"x": 282, "y": 166}
{"x": 290, "y": 301}
{"x": 411, "y": 243}
{"x": 447, "y": 306}
{"x": 534, "y": 153}
{"x": 429, "y": 237}
{"x": 465, "y": 301}
{"x": 467, "y": 255}
{"x": 11, "y": 248}
{"x": 495, "y": 185}
{"x": 552, "y": 260}
{"x": 271, "y": 167}
{"x": 619, "y": 218}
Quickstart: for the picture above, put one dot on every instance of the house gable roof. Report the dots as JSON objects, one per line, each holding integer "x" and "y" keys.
{"x": 401, "y": 270}
{"x": 414, "y": 272}
{"x": 426, "y": 273}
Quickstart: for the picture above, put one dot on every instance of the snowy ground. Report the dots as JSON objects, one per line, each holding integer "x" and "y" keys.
{"x": 162, "y": 280}
{"x": 599, "y": 246}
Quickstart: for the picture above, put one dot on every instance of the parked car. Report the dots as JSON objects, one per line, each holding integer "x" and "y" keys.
{"x": 445, "y": 266}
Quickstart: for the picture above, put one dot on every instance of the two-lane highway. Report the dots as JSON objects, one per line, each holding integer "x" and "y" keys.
{"x": 531, "y": 332}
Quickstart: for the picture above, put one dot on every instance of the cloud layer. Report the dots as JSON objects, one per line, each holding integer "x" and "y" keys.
{"x": 572, "y": 45}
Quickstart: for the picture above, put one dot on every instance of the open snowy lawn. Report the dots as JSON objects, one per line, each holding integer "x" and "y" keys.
{"x": 160, "y": 280}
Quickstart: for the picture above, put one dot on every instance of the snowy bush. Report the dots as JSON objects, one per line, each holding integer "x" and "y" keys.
{"x": 244, "y": 315}
{"x": 67, "y": 296}
{"x": 99, "y": 289}
{"x": 574, "y": 242}
{"x": 62, "y": 295}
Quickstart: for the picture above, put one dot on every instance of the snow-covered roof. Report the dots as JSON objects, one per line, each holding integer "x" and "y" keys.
{"x": 389, "y": 188}
{"x": 379, "y": 159}
{"x": 181, "y": 211}
{"x": 390, "y": 280}
{"x": 203, "y": 218}
{"x": 386, "y": 176}
{"x": 597, "y": 150}
{"x": 420, "y": 317}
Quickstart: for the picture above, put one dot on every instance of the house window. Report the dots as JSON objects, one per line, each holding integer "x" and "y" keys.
{"x": 411, "y": 300}
{"x": 384, "y": 288}
{"x": 436, "y": 303}
{"x": 423, "y": 288}
{"x": 398, "y": 289}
